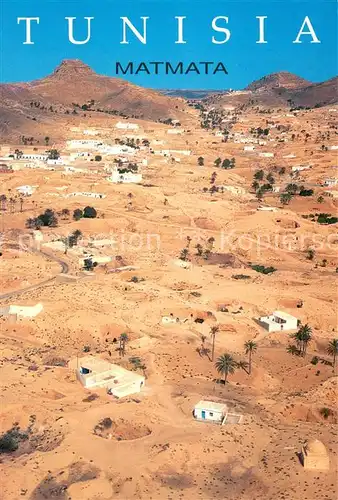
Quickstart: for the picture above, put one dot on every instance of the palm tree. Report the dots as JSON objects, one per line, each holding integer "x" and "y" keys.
{"x": 123, "y": 340}
{"x": 293, "y": 349}
{"x": 332, "y": 350}
{"x": 250, "y": 347}
{"x": 243, "y": 365}
{"x": 225, "y": 364}
{"x": 213, "y": 330}
{"x": 303, "y": 338}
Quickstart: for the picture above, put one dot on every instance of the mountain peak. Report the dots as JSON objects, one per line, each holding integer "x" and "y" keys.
{"x": 70, "y": 68}
{"x": 283, "y": 79}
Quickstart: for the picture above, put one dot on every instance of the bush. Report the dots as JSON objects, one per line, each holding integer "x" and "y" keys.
{"x": 326, "y": 219}
{"x": 314, "y": 360}
{"x": 98, "y": 158}
{"x": 240, "y": 277}
{"x": 306, "y": 192}
{"x": 77, "y": 214}
{"x": 325, "y": 412}
{"x": 10, "y": 440}
{"x": 48, "y": 218}
{"x": 262, "y": 269}
{"x": 8, "y": 443}
{"x": 89, "y": 213}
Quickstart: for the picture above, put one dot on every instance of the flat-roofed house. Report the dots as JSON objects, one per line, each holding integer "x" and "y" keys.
{"x": 279, "y": 321}
{"x": 96, "y": 372}
{"x": 209, "y": 410}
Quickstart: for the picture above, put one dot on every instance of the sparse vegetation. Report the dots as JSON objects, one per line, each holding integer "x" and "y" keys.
{"x": 262, "y": 269}
{"x": 225, "y": 365}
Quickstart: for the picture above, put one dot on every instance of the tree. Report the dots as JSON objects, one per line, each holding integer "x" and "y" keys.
{"x": 303, "y": 337}
{"x": 285, "y": 198}
{"x": 225, "y": 364}
{"x": 123, "y": 341}
{"x": 270, "y": 178}
{"x": 138, "y": 364}
{"x": 292, "y": 349}
{"x": 65, "y": 212}
{"x": 53, "y": 154}
{"x": 77, "y": 214}
{"x": 291, "y": 188}
{"x": 211, "y": 242}
{"x": 200, "y": 161}
{"x": 184, "y": 254}
{"x": 21, "y": 203}
{"x": 89, "y": 265}
{"x": 250, "y": 347}
{"x": 310, "y": 254}
{"x": 98, "y": 158}
{"x": 213, "y": 178}
{"x": 259, "y": 175}
{"x": 199, "y": 249}
{"x": 255, "y": 185}
{"x": 47, "y": 140}
{"x": 332, "y": 350}
{"x": 89, "y": 213}
{"x": 320, "y": 199}
{"x": 217, "y": 162}
{"x": 213, "y": 331}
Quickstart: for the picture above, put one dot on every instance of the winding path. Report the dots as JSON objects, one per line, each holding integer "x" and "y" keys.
{"x": 64, "y": 270}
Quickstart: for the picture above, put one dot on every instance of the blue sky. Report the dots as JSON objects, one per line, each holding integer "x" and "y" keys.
{"x": 244, "y": 59}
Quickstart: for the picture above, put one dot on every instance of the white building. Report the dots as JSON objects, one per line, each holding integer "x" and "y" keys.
{"x": 59, "y": 161}
{"x": 21, "y": 312}
{"x": 267, "y": 155}
{"x": 209, "y": 410}
{"x": 332, "y": 148}
{"x": 279, "y": 321}
{"x": 169, "y": 152}
{"x": 299, "y": 168}
{"x": 34, "y": 156}
{"x": 83, "y": 143}
{"x": 125, "y": 178}
{"x": 89, "y": 195}
{"x": 26, "y": 190}
{"x": 116, "y": 150}
{"x": 95, "y": 372}
{"x": 291, "y": 155}
{"x": 330, "y": 182}
{"x": 91, "y": 132}
{"x": 126, "y": 126}
{"x": 249, "y": 148}
{"x": 175, "y": 131}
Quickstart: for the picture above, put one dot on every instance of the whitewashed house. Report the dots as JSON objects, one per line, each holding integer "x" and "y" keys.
{"x": 83, "y": 143}
{"x": 125, "y": 178}
{"x": 94, "y": 372}
{"x": 249, "y": 148}
{"x": 87, "y": 194}
{"x": 210, "y": 411}
{"x": 267, "y": 155}
{"x": 299, "y": 168}
{"x": 332, "y": 148}
{"x": 21, "y": 312}
{"x": 126, "y": 126}
{"x": 58, "y": 161}
{"x": 26, "y": 190}
{"x": 279, "y": 321}
{"x": 330, "y": 182}
{"x": 175, "y": 131}
{"x": 34, "y": 156}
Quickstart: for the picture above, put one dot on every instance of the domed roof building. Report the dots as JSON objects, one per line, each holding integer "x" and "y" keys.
{"x": 314, "y": 456}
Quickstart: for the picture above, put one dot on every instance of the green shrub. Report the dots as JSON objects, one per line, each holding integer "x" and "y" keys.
{"x": 262, "y": 269}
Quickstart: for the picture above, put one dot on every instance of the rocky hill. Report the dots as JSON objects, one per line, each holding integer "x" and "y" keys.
{"x": 74, "y": 87}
